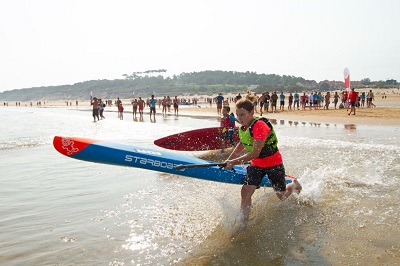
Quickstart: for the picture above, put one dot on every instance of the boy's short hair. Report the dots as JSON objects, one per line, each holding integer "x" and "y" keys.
{"x": 245, "y": 104}
{"x": 227, "y": 108}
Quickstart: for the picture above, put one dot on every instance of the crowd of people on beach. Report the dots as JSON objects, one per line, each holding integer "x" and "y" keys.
{"x": 267, "y": 102}
{"x": 138, "y": 106}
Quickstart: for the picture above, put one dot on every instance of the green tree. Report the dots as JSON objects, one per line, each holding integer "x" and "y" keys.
{"x": 365, "y": 81}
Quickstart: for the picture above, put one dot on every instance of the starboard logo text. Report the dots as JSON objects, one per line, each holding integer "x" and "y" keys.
{"x": 147, "y": 161}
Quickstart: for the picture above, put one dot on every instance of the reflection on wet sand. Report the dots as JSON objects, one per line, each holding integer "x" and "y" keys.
{"x": 350, "y": 126}
{"x": 295, "y": 123}
{"x": 274, "y": 122}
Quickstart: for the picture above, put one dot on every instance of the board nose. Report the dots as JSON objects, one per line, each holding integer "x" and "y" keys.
{"x": 70, "y": 146}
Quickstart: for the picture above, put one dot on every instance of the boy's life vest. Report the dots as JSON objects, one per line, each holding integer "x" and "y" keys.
{"x": 271, "y": 142}
{"x": 228, "y": 122}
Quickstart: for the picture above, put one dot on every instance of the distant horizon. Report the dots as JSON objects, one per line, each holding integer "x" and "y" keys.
{"x": 165, "y": 76}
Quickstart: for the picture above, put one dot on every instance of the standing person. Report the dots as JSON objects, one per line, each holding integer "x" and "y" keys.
{"x": 102, "y": 105}
{"x": 320, "y": 99}
{"x": 258, "y": 138}
{"x": 266, "y": 102}
{"x": 345, "y": 100}
{"x": 370, "y": 98}
{"x": 117, "y": 103}
{"x": 219, "y": 99}
{"x": 176, "y": 105}
{"x": 335, "y": 98}
{"x": 141, "y": 104}
{"x": 327, "y": 100}
{"x": 363, "y": 99}
{"x": 169, "y": 102}
{"x": 252, "y": 98}
{"x": 121, "y": 111}
{"x": 261, "y": 102}
{"x": 134, "y": 107}
{"x": 164, "y": 105}
{"x": 95, "y": 103}
{"x": 303, "y": 101}
{"x": 282, "y": 101}
{"x": 228, "y": 127}
{"x": 274, "y": 100}
{"x": 353, "y": 100}
{"x": 152, "y": 104}
{"x": 316, "y": 97}
{"x": 311, "y": 100}
{"x": 290, "y": 101}
{"x": 296, "y": 101}
{"x": 255, "y": 102}
{"x": 238, "y": 97}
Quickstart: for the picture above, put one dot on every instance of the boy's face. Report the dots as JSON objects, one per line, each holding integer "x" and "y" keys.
{"x": 224, "y": 111}
{"x": 244, "y": 117}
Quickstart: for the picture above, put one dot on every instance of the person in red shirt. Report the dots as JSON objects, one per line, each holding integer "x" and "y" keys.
{"x": 258, "y": 138}
{"x": 121, "y": 111}
{"x": 353, "y": 100}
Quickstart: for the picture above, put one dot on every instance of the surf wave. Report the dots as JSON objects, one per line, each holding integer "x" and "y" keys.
{"x": 22, "y": 143}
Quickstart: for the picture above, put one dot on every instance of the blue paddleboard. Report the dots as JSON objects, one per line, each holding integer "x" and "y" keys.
{"x": 113, "y": 153}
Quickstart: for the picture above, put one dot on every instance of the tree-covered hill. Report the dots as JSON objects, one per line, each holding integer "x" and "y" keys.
{"x": 145, "y": 83}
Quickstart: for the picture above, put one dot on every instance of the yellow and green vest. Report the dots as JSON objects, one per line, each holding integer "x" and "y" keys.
{"x": 271, "y": 142}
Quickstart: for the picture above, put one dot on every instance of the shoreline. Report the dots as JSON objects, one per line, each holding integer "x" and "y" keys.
{"x": 386, "y": 113}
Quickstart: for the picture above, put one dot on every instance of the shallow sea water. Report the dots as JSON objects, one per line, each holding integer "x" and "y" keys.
{"x": 60, "y": 211}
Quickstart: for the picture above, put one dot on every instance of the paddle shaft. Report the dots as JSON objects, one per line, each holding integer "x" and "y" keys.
{"x": 182, "y": 167}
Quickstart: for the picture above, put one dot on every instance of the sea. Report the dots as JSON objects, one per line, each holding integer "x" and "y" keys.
{"x": 55, "y": 210}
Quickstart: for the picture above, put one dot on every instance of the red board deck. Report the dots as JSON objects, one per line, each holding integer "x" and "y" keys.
{"x": 198, "y": 140}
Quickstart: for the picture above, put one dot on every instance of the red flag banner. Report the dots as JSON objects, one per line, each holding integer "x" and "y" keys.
{"x": 346, "y": 74}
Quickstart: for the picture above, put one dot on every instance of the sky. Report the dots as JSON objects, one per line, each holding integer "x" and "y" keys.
{"x": 49, "y": 43}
